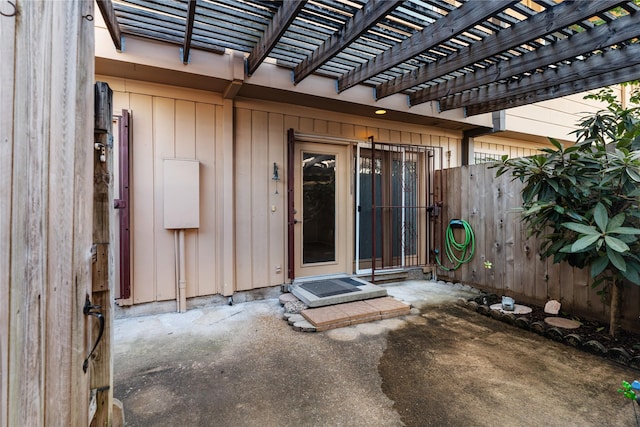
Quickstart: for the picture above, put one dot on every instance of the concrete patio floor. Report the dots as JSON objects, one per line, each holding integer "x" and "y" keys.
{"x": 242, "y": 365}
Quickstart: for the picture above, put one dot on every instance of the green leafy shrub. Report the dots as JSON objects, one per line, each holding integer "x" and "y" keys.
{"x": 583, "y": 201}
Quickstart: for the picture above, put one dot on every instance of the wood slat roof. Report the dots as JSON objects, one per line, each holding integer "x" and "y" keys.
{"x": 482, "y": 55}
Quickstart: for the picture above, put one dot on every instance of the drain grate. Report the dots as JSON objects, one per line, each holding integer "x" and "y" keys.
{"x": 327, "y": 288}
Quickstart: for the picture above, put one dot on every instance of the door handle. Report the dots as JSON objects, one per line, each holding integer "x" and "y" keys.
{"x": 295, "y": 221}
{"x": 91, "y": 310}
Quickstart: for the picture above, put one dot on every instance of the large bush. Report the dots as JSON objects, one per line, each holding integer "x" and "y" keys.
{"x": 583, "y": 200}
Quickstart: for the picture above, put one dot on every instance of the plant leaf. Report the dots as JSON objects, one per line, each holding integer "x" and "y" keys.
{"x": 617, "y": 260}
{"x": 556, "y": 143}
{"x": 625, "y": 230}
{"x": 616, "y": 221}
{"x": 581, "y": 228}
{"x": 616, "y": 244}
{"x": 632, "y": 273}
{"x": 584, "y": 242}
{"x": 601, "y": 216}
{"x": 599, "y": 265}
{"x": 633, "y": 175}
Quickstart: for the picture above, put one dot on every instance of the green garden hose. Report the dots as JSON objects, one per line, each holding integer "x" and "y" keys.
{"x": 466, "y": 249}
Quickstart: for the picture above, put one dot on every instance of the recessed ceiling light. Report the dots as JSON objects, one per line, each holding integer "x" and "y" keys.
{"x": 380, "y": 112}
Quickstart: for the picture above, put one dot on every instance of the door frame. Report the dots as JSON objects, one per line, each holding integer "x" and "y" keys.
{"x": 344, "y": 201}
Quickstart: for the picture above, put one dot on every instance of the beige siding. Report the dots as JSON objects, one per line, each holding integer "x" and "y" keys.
{"x": 170, "y": 122}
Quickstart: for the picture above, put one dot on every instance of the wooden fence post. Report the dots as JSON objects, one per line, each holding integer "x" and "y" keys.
{"x": 103, "y": 226}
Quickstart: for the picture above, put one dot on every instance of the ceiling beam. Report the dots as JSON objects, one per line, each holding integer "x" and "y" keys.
{"x": 620, "y": 30}
{"x": 443, "y": 29}
{"x": 110, "y": 19}
{"x": 188, "y": 32}
{"x": 278, "y": 26}
{"x": 611, "y": 67}
{"x": 552, "y": 19}
{"x": 372, "y": 12}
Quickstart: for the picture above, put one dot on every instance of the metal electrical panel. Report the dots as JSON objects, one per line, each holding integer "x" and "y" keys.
{"x": 181, "y": 194}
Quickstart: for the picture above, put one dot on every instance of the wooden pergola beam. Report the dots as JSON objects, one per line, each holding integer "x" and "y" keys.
{"x": 611, "y": 67}
{"x": 553, "y": 19}
{"x": 595, "y": 38}
{"x": 278, "y": 26}
{"x": 372, "y": 12}
{"x": 443, "y": 29}
{"x": 110, "y": 19}
{"x": 188, "y": 32}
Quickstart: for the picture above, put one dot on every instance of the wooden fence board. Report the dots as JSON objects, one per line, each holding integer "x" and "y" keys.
{"x": 49, "y": 194}
{"x": 7, "y": 53}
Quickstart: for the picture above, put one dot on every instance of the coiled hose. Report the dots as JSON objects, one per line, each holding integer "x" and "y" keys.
{"x": 466, "y": 249}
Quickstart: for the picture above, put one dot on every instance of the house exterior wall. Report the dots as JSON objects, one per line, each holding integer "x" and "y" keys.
{"x": 177, "y": 122}
{"x": 173, "y": 122}
{"x": 180, "y": 111}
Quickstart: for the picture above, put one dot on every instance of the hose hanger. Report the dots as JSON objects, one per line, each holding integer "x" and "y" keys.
{"x": 458, "y": 253}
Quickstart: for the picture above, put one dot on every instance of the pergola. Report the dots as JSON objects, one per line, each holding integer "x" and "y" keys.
{"x": 481, "y": 55}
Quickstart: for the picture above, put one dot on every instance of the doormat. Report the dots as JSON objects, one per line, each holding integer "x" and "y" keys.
{"x": 330, "y": 287}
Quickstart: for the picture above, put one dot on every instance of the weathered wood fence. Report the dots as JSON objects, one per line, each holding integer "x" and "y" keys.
{"x": 46, "y": 188}
{"x": 489, "y": 205}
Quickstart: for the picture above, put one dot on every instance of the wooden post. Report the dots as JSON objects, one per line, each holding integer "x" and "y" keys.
{"x": 46, "y": 75}
{"x": 103, "y": 228}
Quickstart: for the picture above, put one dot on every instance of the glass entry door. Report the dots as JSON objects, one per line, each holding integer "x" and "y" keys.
{"x": 320, "y": 209}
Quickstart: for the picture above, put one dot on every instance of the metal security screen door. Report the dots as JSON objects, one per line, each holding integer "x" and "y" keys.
{"x": 394, "y": 201}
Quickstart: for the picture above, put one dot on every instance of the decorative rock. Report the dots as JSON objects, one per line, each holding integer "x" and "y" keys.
{"x": 414, "y": 311}
{"x": 285, "y": 298}
{"x": 496, "y": 314}
{"x": 618, "y": 354}
{"x": 294, "y": 306}
{"x": 472, "y": 305}
{"x": 574, "y": 340}
{"x": 552, "y": 307}
{"x": 295, "y": 318}
{"x": 522, "y": 322}
{"x": 508, "y": 318}
{"x": 635, "y": 362}
{"x": 483, "y": 309}
{"x": 555, "y": 334}
{"x": 561, "y": 322}
{"x": 537, "y": 327}
{"x": 594, "y": 347}
{"x": 461, "y": 302}
{"x": 303, "y": 326}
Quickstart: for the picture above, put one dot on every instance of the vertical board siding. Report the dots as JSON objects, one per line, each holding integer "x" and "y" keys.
{"x": 277, "y": 192}
{"x": 205, "y": 120}
{"x": 143, "y": 208}
{"x": 260, "y": 187}
{"x": 244, "y": 208}
{"x": 185, "y": 142}
{"x": 164, "y": 147}
{"x": 491, "y": 206}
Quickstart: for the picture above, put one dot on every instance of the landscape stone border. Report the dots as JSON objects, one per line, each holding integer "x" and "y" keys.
{"x": 570, "y": 337}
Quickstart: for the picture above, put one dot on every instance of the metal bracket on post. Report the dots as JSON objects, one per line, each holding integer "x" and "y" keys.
{"x": 182, "y": 56}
